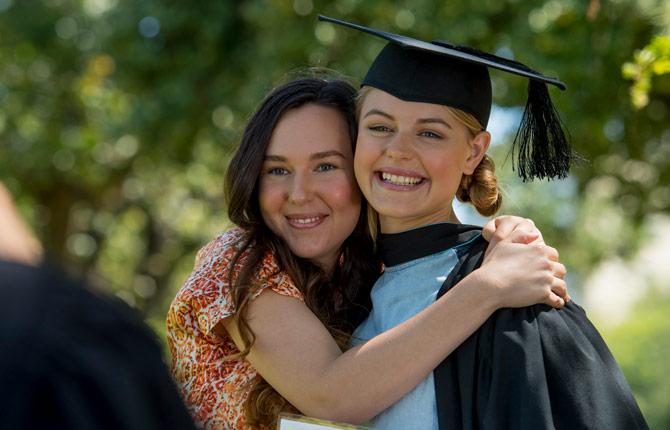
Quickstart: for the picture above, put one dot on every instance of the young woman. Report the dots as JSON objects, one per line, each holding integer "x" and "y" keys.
{"x": 422, "y": 141}
{"x": 270, "y": 305}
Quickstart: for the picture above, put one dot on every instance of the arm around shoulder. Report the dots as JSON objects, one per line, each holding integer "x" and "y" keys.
{"x": 297, "y": 355}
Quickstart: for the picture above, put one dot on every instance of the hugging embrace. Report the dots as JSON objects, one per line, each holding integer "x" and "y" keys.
{"x": 351, "y": 292}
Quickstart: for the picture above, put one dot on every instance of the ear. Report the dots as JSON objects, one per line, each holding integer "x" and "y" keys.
{"x": 478, "y": 146}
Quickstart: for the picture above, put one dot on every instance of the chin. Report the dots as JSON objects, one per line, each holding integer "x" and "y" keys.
{"x": 308, "y": 254}
{"x": 396, "y": 212}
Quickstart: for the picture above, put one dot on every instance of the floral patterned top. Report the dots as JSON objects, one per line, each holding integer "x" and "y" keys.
{"x": 215, "y": 390}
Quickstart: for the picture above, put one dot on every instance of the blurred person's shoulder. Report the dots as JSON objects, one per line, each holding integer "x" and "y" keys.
{"x": 43, "y": 299}
{"x": 72, "y": 357}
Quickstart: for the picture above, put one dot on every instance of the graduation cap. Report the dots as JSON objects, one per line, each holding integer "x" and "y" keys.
{"x": 457, "y": 76}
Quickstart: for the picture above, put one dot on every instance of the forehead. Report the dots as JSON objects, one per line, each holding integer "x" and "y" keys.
{"x": 379, "y": 100}
{"x": 310, "y": 129}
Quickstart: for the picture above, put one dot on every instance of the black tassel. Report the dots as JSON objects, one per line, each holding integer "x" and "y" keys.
{"x": 543, "y": 149}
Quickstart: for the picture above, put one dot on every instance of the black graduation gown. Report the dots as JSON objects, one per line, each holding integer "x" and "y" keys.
{"x": 72, "y": 359}
{"x": 528, "y": 368}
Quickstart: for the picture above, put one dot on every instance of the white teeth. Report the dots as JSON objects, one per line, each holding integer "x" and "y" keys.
{"x": 305, "y": 220}
{"x": 400, "y": 180}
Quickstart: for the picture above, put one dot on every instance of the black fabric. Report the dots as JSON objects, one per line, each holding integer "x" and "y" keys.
{"x": 72, "y": 359}
{"x": 420, "y": 76}
{"x": 460, "y": 52}
{"x": 421, "y": 242}
{"x": 532, "y": 368}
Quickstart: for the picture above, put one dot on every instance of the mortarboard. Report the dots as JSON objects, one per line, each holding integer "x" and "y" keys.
{"x": 458, "y": 76}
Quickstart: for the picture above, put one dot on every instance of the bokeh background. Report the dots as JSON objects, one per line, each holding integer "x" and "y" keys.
{"x": 118, "y": 118}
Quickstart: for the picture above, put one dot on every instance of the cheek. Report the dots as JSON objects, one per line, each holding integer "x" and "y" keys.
{"x": 446, "y": 173}
{"x": 345, "y": 198}
{"x": 345, "y": 193}
{"x": 270, "y": 200}
{"x": 450, "y": 162}
{"x": 363, "y": 161}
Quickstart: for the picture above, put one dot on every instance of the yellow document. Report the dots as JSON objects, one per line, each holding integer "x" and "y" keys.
{"x": 300, "y": 422}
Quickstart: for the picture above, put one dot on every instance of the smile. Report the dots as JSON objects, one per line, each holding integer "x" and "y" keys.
{"x": 305, "y": 222}
{"x": 407, "y": 181}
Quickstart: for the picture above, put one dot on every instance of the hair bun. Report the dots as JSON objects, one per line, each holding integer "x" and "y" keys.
{"x": 481, "y": 188}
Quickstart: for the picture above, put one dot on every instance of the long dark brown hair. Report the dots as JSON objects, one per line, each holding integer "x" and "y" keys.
{"x": 339, "y": 299}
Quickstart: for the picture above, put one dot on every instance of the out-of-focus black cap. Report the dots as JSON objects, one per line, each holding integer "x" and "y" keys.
{"x": 457, "y": 76}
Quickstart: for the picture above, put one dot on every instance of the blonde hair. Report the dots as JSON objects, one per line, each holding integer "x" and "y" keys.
{"x": 481, "y": 188}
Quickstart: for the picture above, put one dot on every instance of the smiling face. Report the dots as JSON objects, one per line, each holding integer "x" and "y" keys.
{"x": 410, "y": 158}
{"x": 307, "y": 192}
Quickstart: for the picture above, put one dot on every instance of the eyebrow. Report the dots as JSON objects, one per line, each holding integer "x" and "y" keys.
{"x": 378, "y": 112}
{"x": 419, "y": 121}
{"x": 432, "y": 121}
{"x": 315, "y": 156}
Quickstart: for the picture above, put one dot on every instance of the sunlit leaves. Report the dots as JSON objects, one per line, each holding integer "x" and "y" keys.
{"x": 653, "y": 60}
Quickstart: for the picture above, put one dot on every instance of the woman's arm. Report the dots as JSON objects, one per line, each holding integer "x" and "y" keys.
{"x": 295, "y": 353}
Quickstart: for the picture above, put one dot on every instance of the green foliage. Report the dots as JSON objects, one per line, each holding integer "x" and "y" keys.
{"x": 653, "y": 60}
{"x": 642, "y": 347}
{"x": 118, "y": 117}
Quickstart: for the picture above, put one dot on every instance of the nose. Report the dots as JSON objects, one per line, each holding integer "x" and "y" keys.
{"x": 301, "y": 189}
{"x": 400, "y": 147}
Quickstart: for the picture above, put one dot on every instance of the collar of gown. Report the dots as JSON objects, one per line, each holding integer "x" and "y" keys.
{"x": 398, "y": 248}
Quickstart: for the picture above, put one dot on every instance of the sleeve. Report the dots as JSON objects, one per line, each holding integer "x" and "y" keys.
{"x": 209, "y": 286}
{"x": 541, "y": 367}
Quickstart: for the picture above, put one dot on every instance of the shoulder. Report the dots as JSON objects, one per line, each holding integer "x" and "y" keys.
{"x": 542, "y": 326}
{"x": 101, "y": 337}
{"x": 207, "y": 290}
{"x": 230, "y": 251}
{"x": 224, "y": 246}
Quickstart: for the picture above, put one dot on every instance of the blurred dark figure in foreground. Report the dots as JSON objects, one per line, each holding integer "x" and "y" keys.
{"x": 71, "y": 358}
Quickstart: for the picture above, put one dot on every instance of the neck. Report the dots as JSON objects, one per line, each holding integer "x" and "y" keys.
{"x": 389, "y": 224}
{"x": 328, "y": 264}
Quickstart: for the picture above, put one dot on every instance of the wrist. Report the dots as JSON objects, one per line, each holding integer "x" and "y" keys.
{"x": 485, "y": 289}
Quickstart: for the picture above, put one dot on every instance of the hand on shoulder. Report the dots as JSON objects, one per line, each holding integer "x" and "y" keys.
{"x": 522, "y": 275}
{"x": 514, "y": 228}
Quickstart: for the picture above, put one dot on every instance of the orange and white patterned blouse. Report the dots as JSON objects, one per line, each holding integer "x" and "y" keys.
{"x": 214, "y": 389}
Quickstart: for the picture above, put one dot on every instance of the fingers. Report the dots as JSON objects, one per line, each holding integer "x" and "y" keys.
{"x": 523, "y": 236}
{"x": 559, "y": 270}
{"x": 504, "y": 226}
{"x": 559, "y": 287}
{"x": 489, "y": 229}
{"x": 558, "y": 295}
{"x": 554, "y": 301}
{"x": 512, "y": 228}
{"x": 550, "y": 252}
{"x": 501, "y": 228}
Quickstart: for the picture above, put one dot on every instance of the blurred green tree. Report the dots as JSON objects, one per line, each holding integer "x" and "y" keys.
{"x": 117, "y": 117}
{"x": 641, "y": 348}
